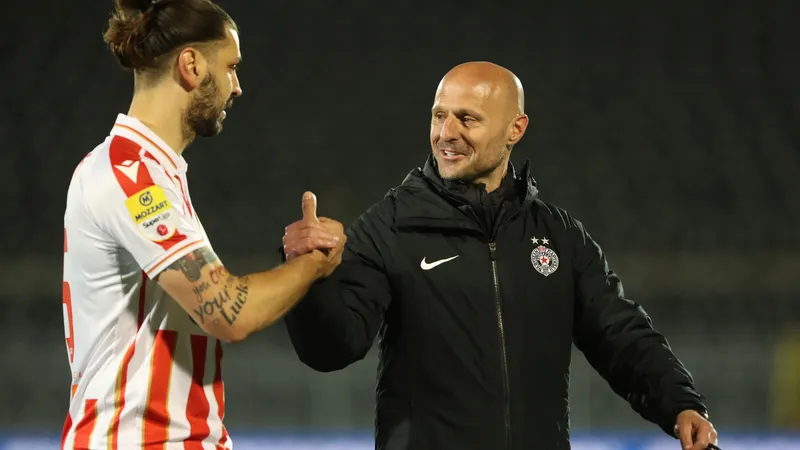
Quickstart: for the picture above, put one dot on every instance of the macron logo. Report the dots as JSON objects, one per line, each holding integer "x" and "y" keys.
{"x": 130, "y": 169}
{"x": 430, "y": 265}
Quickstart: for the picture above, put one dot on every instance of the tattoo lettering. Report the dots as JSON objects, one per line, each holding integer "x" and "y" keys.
{"x": 240, "y": 292}
{"x": 192, "y": 264}
{"x": 218, "y": 274}
{"x": 198, "y": 290}
{"x": 210, "y": 307}
{"x": 228, "y": 303}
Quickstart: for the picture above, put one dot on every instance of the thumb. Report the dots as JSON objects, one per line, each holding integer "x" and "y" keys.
{"x": 310, "y": 206}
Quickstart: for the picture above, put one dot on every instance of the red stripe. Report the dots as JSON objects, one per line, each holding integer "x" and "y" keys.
{"x": 65, "y": 430}
{"x": 120, "y": 151}
{"x": 222, "y": 440}
{"x": 66, "y": 299}
{"x": 123, "y": 371}
{"x": 175, "y": 239}
{"x": 183, "y": 194}
{"x": 219, "y": 391}
{"x": 197, "y": 408}
{"x": 147, "y": 154}
{"x": 83, "y": 432}
{"x": 155, "y": 429}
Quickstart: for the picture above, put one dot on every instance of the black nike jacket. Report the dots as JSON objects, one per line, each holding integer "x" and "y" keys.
{"x": 476, "y": 323}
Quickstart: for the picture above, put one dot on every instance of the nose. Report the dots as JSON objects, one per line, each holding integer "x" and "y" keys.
{"x": 450, "y": 129}
{"x": 237, "y": 87}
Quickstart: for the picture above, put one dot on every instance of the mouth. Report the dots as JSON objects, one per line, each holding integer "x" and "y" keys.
{"x": 450, "y": 154}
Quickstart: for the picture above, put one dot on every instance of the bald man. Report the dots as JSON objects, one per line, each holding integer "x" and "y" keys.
{"x": 479, "y": 289}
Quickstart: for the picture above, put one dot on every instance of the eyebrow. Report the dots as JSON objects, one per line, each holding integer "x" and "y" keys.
{"x": 459, "y": 111}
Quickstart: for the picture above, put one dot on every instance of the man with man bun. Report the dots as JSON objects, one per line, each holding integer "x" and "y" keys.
{"x": 146, "y": 300}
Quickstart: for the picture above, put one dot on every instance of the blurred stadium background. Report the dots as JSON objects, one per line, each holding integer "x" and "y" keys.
{"x": 669, "y": 128}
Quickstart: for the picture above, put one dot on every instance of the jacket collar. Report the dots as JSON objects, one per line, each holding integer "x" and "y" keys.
{"x": 424, "y": 199}
{"x": 514, "y": 186}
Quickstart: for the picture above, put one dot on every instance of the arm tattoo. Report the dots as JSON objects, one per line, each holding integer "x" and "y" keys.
{"x": 239, "y": 292}
{"x": 230, "y": 298}
{"x": 192, "y": 264}
{"x": 228, "y": 302}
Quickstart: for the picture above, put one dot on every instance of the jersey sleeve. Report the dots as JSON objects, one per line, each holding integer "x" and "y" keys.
{"x": 147, "y": 214}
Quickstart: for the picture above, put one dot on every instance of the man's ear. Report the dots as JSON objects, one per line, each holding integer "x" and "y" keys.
{"x": 192, "y": 68}
{"x": 518, "y": 127}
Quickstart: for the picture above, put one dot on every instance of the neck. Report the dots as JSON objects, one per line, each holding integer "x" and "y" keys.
{"x": 493, "y": 179}
{"x": 148, "y": 106}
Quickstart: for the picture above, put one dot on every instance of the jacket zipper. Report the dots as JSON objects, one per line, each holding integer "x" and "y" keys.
{"x": 501, "y": 329}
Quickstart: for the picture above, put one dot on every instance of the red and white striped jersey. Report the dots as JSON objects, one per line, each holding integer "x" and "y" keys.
{"x": 143, "y": 374}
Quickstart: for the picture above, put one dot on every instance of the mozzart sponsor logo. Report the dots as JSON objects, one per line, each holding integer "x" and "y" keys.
{"x": 147, "y": 203}
{"x": 153, "y": 213}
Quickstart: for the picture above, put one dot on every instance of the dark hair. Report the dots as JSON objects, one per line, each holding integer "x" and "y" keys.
{"x": 141, "y": 32}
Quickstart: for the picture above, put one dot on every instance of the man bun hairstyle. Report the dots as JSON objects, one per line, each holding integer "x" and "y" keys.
{"x": 141, "y": 32}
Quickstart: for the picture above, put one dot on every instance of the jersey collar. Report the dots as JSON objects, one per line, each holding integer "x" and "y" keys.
{"x": 131, "y": 128}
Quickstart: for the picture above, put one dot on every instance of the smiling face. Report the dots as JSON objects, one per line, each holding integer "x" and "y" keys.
{"x": 476, "y": 119}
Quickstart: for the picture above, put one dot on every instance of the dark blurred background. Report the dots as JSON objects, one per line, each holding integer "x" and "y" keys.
{"x": 669, "y": 128}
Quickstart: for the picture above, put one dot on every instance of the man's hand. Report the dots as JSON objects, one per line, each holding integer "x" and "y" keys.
{"x": 334, "y": 256}
{"x": 315, "y": 235}
{"x": 694, "y": 431}
{"x": 308, "y": 234}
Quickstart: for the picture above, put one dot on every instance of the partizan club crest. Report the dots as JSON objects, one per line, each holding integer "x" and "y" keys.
{"x": 544, "y": 259}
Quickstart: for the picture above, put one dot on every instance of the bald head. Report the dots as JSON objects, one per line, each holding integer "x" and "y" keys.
{"x": 478, "y": 116}
{"x": 490, "y": 81}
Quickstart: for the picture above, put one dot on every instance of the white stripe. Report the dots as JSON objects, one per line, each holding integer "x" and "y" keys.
{"x": 180, "y": 383}
{"x": 137, "y": 387}
{"x": 214, "y": 424}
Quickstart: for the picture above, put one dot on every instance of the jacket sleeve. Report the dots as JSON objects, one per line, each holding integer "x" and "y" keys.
{"x": 617, "y": 337}
{"x": 336, "y": 323}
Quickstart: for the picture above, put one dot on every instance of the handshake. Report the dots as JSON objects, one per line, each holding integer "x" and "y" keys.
{"x": 319, "y": 239}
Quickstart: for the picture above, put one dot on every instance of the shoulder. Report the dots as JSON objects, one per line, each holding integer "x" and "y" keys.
{"x": 379, "y": 216}
{"x": 555, "y": 215}
{"x": 558, "y": 218}
{"x": 118, "y": 175}
{"x": 93, "y": 179}
{"x": 384, "y": 211}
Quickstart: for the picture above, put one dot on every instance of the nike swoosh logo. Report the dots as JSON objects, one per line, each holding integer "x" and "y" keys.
{"x": 428, "y": 266}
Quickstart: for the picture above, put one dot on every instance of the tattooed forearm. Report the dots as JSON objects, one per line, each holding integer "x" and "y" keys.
{"x": 239, "y": 294}
{"x": 192, "y": 264}
{"x": 228, "y": 302}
